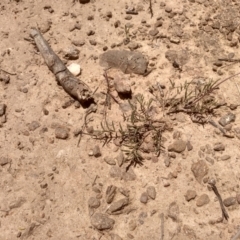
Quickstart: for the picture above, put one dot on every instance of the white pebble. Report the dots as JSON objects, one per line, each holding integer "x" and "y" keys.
{"x": 74, "y": 68}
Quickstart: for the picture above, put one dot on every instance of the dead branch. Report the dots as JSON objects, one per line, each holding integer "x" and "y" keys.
{"x": 74, "y": 87}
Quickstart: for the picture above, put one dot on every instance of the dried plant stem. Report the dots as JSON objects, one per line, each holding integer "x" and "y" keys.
{"x": 7, "y": 72}
{"x": 214, "y": 87}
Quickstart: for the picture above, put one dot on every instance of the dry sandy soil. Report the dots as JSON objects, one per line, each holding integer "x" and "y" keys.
{"x": 51, "y": 188}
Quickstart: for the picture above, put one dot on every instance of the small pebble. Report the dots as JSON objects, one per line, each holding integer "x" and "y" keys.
{"x": 168, "y": 9}
{"x": 202, "y": 200}
{"x": 5, "y": 160}
{"x": 71, "y": 53}
{"x": 132, "y": 224}
{"x": 190, "y": 194}
{"x": 166, "y": 183}
{"x": 189, "y": 146}
{"x": 105, "y": 48}
{"x": 129, "y": 175}
{"x": 102, "y": 222}
{"x": 115, "y": 172}
{"x": 109, "y": 14}
{"x": 218, "y": 63}
{"x": 93, "y": 202}
{"x": 173, "y": 211}
{"x": 199, "y": 169}
{"x": 133, "y": 46}
{"x": 233, "y": 106}
{"x": 167, "y": 161}
{"x": 219, "y": 147}
{"x": 172, "y": 155}
{"x": 33, "y": 125}
{"x": 177, "y": 146}
{"x": 113, "y": 45}
{"x": 225, "y": 157}
{"x": 162, "y": 4}
{"x": 74, "y": 68}
{"x": 61, "y": 132}
{"x": 25, "y": 90}
{"x": 96, "y": 151}
{"x": 120, "y": 158}
{"x": 155, "y": 159}
{"x": 151, "y": 192}
{"x": 144, "y": 198}
{"x": 2, "y": 109}
{"x": 4, "y": 78}
{"x": 226, "y": 119}
{"x": 229, "y": 201}
{"x": 117, "y": 24}
{"x": 118, "y": 205}
{"x": 109, "y": 160}
{"x": 128, "y": 17}
{"x": 78, "y": 43}
{"x": 153, "y": 32}
{"x": 175, "y": 40}
{"x": 90, "y": 18}
{"x": 210, "y": 160}
{"x": 159, "y": 23}
{"x": 93, "y": 42}
{"x": 122, "y": 87}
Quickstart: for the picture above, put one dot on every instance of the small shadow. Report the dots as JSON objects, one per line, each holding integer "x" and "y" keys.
{"x": 86, "y": 104}
{"x": 125, "y": 96}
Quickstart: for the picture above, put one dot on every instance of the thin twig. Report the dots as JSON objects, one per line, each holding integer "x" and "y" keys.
{"x": 7, "y": 72}
{"x": 229, "y": 60}
{"x": 150, "y": 8}
{"x": 90, "y": 110}
{"x": 95, "y": 179}
{"x": 224, "y": 212}
{"x": 108, "y": 87}
{"x": 162, "y": 226}
{"x": 109, "y": 95}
